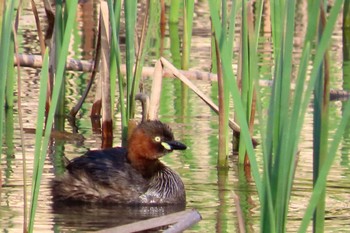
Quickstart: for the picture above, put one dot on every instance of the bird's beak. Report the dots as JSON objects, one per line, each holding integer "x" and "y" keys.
{"x": 174, "y": 145}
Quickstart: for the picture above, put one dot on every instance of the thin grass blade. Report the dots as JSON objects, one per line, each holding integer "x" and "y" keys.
{"x": 40, "y": 152}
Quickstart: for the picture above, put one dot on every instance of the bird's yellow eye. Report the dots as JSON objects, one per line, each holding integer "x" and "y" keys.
{"x": 157, "y": 139}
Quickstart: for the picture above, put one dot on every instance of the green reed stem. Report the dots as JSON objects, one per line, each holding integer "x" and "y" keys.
{"x": 246, "y": 80}
{"x": 148, "y": 30}
{"x": 223, "y": 113}
{"x": 188, "y": 10}
{"x": 114, "y": 55}
{"x": 320, "y": 135}
{"x": 174, "y": 11}
{"x": 228, "y": 26}
{"x": 320, "y": 184}
{"x": 114, "y": 17}
{"x": 175, "y": 44}
{"x": 174, "y": 33}
{"x": 42, "y": 145}
{"x": 59, "y": 31}
{"x": 147, "y": 26}
{"x": 130, "y": 8}
{"x": 281, "y": 137}
{"x": 4, "y": 58}
{"x": 39, "y": 155}
{"x": 281, "y": 149}
{"x": 10, "y": 83}
{"x": 228, "y": 75}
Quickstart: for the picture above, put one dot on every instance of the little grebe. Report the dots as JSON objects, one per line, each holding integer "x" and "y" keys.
{"x": 132, "y": 175}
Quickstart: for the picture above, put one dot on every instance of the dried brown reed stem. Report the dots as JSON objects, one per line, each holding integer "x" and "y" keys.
{"x": 144, "y": 99}
{"x": 185, "y": 219}
{"x": 35, "y": 61}
{"x": 223, "y": 137}
{"x": 38, "y": 27}
{"x": 96, "y": 63}
{"x": 107, "y": 128}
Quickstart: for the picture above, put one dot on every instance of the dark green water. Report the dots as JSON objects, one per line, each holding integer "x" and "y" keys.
{"x": 208, "y": 190}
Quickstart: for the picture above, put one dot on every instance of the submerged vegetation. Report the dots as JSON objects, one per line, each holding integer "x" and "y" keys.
{"x": 295, "y": 82}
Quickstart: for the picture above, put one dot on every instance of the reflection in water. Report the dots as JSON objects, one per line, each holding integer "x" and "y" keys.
{"x": 221, "y": 225}
{"x": 9, "y": 132}
{"x": 90, "y": 217}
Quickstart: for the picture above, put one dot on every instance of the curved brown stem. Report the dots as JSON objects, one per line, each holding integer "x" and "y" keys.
{"x": 73, "y": 112}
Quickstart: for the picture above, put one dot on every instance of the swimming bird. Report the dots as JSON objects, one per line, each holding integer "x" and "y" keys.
{"x": 132, "y": 175}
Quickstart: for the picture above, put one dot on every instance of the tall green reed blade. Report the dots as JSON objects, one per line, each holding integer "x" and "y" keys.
{"x": 114, "y": 17}
{"x": 4, "y": 58}
{"x": 320, "y": 184}
{"x": 174, "y": 33}
{"x": 287, "y": 129}
{"x": 174, "y": 11}
{"x": 223, "y": 94}
{"x": 317, "y": 62}
{"x": 320, "y": 130}
{"x": 247, "y": 89}
{"x": 273, "y": 205}
{"x": 228, "y": 75}
{"x": 149, "y": 28}
{"x": 278, "y": 159}
{"x": 60, "y": 20}
{"x": 302, "y": 98}
{"x": 113, "y": 72}
{"x": 59, "y": 28}
{"x": 253, "y": 39}
{"x": 38, "y": 138}
{"x": 188, "y": 10}
{"x": 228, "y": 26}
{"x": 130, "y": 8}
{"x": 42, "y": 145}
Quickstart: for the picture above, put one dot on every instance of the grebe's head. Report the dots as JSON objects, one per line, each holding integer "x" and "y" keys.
{"x": 151, "y": 140}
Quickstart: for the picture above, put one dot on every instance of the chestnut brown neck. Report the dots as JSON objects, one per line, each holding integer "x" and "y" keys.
{"x": 142, "y": 154}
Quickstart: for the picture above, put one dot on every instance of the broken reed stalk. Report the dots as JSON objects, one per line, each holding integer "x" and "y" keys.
{"x": 144, "y": 99}
{"x": 156, "y": 91}
{"x": 35, "y": 61}
{"x": 189, "y": 216}
{"x": 234, "y": 126}
{"x": 188, "y": 220}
